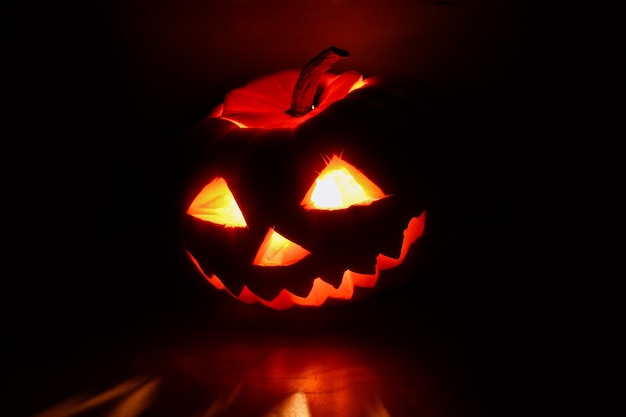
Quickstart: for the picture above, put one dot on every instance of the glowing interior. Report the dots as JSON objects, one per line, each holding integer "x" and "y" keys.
{"x": 358, "y": 84}
{"x": 216, "y": 204}
{"x": 339, "y": 186}
{"x": 277, "y": 250}
{"x": 321, "y": 291}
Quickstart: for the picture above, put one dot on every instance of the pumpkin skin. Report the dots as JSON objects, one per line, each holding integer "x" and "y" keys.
{"x": 266, "y": 160}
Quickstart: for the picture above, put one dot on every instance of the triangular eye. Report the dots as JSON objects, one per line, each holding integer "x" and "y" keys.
{"x": 277, "y": 250}
{"x": 216, "y": 204}
{"x": 339, "y": 186}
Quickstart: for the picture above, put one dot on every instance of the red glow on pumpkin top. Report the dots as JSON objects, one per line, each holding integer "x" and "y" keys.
{"x": 265, "y": 101}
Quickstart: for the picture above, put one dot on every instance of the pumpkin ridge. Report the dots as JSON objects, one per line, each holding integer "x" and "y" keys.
{"x": 269, "y": 92}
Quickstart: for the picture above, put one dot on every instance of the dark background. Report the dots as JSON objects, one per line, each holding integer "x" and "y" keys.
{"x": 102, "y": 89}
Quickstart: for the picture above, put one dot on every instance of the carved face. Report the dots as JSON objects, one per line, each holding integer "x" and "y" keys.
{"x": 286, "y": 211}
{"x": 341, "y": 234}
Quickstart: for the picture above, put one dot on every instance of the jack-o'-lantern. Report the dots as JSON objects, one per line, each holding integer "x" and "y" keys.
{"x": 305, "y": 187}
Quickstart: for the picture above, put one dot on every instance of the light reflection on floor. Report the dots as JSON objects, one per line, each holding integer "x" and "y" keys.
{"x": 269, "y": 377}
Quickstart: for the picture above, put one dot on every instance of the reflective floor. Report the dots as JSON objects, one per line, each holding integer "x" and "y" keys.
{"x": 380, "y": 357}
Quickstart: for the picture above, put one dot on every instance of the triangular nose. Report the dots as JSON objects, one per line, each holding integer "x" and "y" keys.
{"x": 277, "y": 250}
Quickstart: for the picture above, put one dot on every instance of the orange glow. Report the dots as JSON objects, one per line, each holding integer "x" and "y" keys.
{"x": 216, "y": 204}
{"x": 321, "y": 290}
{"x": 132, "y": 397}
{"x": 294, "y": 406}
{"x": 359, "y": 84}
{"x": 277, "y": 250}
{"x": 339, "y": 186}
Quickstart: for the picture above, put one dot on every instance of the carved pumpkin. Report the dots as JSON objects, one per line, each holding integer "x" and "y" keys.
{"x": 305, "y": 186}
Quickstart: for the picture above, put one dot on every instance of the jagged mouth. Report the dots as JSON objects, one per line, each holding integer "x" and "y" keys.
{"x": 322, "y": 291}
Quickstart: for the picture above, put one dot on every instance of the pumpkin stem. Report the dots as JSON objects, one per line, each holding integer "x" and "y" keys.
{"x": 304, "y": 92}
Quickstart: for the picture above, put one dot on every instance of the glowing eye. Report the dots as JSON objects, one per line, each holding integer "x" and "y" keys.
{"x": 339, "y": 186}
{"x": 216, "y": 204}
{"x": 277, "y": 250}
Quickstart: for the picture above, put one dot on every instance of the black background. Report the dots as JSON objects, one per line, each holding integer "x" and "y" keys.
{"x": 94, "y": 264}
